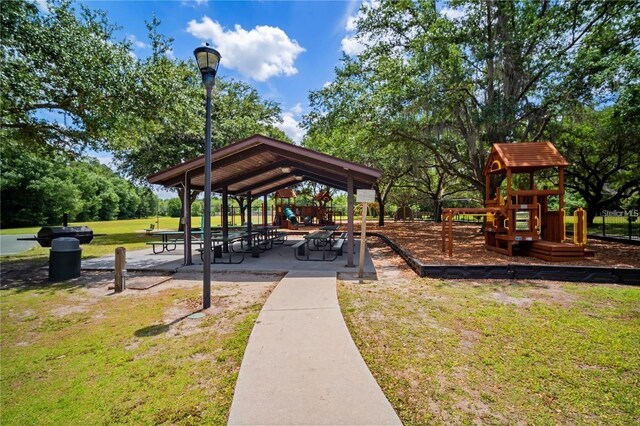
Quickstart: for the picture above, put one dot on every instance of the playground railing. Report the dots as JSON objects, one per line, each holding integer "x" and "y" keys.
{"x": 621, "y": 224}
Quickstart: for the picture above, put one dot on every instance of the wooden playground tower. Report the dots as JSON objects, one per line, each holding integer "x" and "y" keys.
{"x": 522, "y": 220}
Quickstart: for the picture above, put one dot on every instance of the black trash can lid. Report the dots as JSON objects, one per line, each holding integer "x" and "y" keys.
{"x": 65, "y": 244}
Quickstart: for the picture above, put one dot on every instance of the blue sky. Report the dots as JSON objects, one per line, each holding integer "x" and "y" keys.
{"x": 283, "y": 48}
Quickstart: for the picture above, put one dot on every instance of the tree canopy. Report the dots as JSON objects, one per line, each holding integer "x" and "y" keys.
{"x": 500, "y": 72}
{"x": 66, "y": 82}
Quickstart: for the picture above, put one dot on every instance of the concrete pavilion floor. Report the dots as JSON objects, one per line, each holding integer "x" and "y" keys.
{"x": 280, "y": 259}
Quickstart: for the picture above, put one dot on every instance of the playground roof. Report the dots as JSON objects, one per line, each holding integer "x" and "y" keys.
{"x": 523, "y": 157}
{"x": 262, "y": 165}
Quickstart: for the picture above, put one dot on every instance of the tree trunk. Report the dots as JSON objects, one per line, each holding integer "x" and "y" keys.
{"x": 437, "y": 209}
{"x": 592, "y": 212}
{"x": 241, "y": 207}
{"x": 381, "y": 216}
{"x": 192, "y": 197}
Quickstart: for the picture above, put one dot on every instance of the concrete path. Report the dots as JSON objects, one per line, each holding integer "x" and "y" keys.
{"x": 301, "y": 365}
{"x": 9, "y": 244}
{"x": 279, "y": 259}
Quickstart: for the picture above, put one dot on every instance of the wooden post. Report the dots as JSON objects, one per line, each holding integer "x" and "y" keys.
{"x": 363, "y": 243}
{"x": 451, "y": 234}
{"x": 264, "y": 210}
{"x": 120, "y": 269}
{"x": 444, "y": 233}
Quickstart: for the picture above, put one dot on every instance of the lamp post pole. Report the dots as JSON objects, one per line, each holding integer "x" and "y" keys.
{"x": 206, "y": 278}
{"x": 208, "y": 60}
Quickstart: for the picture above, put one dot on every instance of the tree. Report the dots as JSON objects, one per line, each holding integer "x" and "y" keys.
{"x": 340, "y": 123}
{"x": 176, "y": 131}
{"x": 39, "y": 188}
{"x": 603, "y": 149}
{"x": 499, "y": 73}
{"x": 66, "y": 82}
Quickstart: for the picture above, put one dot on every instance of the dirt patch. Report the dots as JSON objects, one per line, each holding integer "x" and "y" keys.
{"x": 423, "y": 240}
{"x": 521, "y": 302}
{"x": 390, "y": 267}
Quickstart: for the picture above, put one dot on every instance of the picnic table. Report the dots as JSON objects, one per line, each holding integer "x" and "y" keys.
{"x": 319, "y": 241}
{"x": 171, "y": 239}
{"x": 217, "y": 242}
{"x": 268, "y": 235}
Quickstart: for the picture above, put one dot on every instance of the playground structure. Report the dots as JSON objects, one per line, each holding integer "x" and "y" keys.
{"x": 289, "y": 215}
{"x": 522, "y": 221}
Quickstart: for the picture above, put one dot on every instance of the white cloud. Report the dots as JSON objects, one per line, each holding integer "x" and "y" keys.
{"x": 327, "y": 84}
{"x": 297, "y": 109}
{"x": 351, "y": 44}
{"x": 42, "y": 6}
{"x": 137, "y": 43}
{"x": 290, "y": 125}
{"x": 452, "y": 14}
{"x": 351, "y": 23}
{"x": 194, "y": 3}
{"x": 260, "y": 53}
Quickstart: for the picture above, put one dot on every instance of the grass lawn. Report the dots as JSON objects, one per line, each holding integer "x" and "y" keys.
{"x": 76, "y": 355}
{"x": 119, "y": 233}
{"x": 532, "y": 353}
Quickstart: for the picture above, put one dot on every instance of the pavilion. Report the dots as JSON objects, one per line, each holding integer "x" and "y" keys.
{"x": 259, "y": 165}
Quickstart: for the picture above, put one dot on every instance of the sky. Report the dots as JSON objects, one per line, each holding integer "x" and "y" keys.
{"x": 284, "y": 49}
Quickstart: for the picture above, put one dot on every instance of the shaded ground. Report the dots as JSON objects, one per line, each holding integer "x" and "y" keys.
{"x": 423, "y": 240}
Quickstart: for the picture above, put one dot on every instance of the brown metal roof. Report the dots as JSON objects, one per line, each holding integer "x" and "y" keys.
{"x": 261, "y": 165}
{"x": 523, "y": 157}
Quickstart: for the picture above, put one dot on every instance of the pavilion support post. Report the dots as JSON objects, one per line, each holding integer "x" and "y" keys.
{"x": 187, "y": 221}
{"x": 450, "y": 234}
{"x": 350, "y": 241}
{"x": 249, "y": 224}
{"x": 225, "y": 219}
{"x": 444, "y": 233}
{"x": 563, "y": 225}
{"x": 264, "y": 210}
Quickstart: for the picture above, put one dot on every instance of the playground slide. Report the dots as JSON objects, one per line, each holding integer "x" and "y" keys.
{"x": 289, "y": 214}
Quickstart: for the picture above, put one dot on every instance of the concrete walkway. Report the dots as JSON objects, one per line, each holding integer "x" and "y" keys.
{"x": 301, "y": 365}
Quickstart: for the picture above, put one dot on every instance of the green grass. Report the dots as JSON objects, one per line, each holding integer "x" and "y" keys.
{"x": 119, "y": 233}
{"x": 114, "y": 361}
{"x": 463, "y": 353}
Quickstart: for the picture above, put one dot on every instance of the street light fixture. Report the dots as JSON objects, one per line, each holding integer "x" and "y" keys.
{"x": 208, "y": 60}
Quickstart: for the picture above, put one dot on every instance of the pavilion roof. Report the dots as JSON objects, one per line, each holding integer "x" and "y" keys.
{"x": 262, "y": 165}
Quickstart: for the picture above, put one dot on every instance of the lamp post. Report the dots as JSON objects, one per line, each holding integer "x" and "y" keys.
{"x": 208, "y": 60}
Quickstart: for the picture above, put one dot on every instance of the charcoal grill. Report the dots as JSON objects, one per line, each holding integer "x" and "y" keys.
{"x": 48, "y": 233}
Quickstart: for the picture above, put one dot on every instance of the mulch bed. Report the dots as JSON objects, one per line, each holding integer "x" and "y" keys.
{"x": 423, "y": 241}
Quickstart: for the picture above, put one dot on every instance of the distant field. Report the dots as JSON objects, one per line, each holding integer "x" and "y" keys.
{"x": 120, "y": 233}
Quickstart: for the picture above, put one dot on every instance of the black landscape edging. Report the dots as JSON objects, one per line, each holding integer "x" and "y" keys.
{"x": 611, "y": 239}
{"x": 570, "y": 273}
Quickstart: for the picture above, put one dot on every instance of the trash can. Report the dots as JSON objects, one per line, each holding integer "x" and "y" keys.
{"x": 64, "y": 259}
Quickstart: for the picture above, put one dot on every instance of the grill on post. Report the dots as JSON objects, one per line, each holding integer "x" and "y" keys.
{"x": 48, "y": 233}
